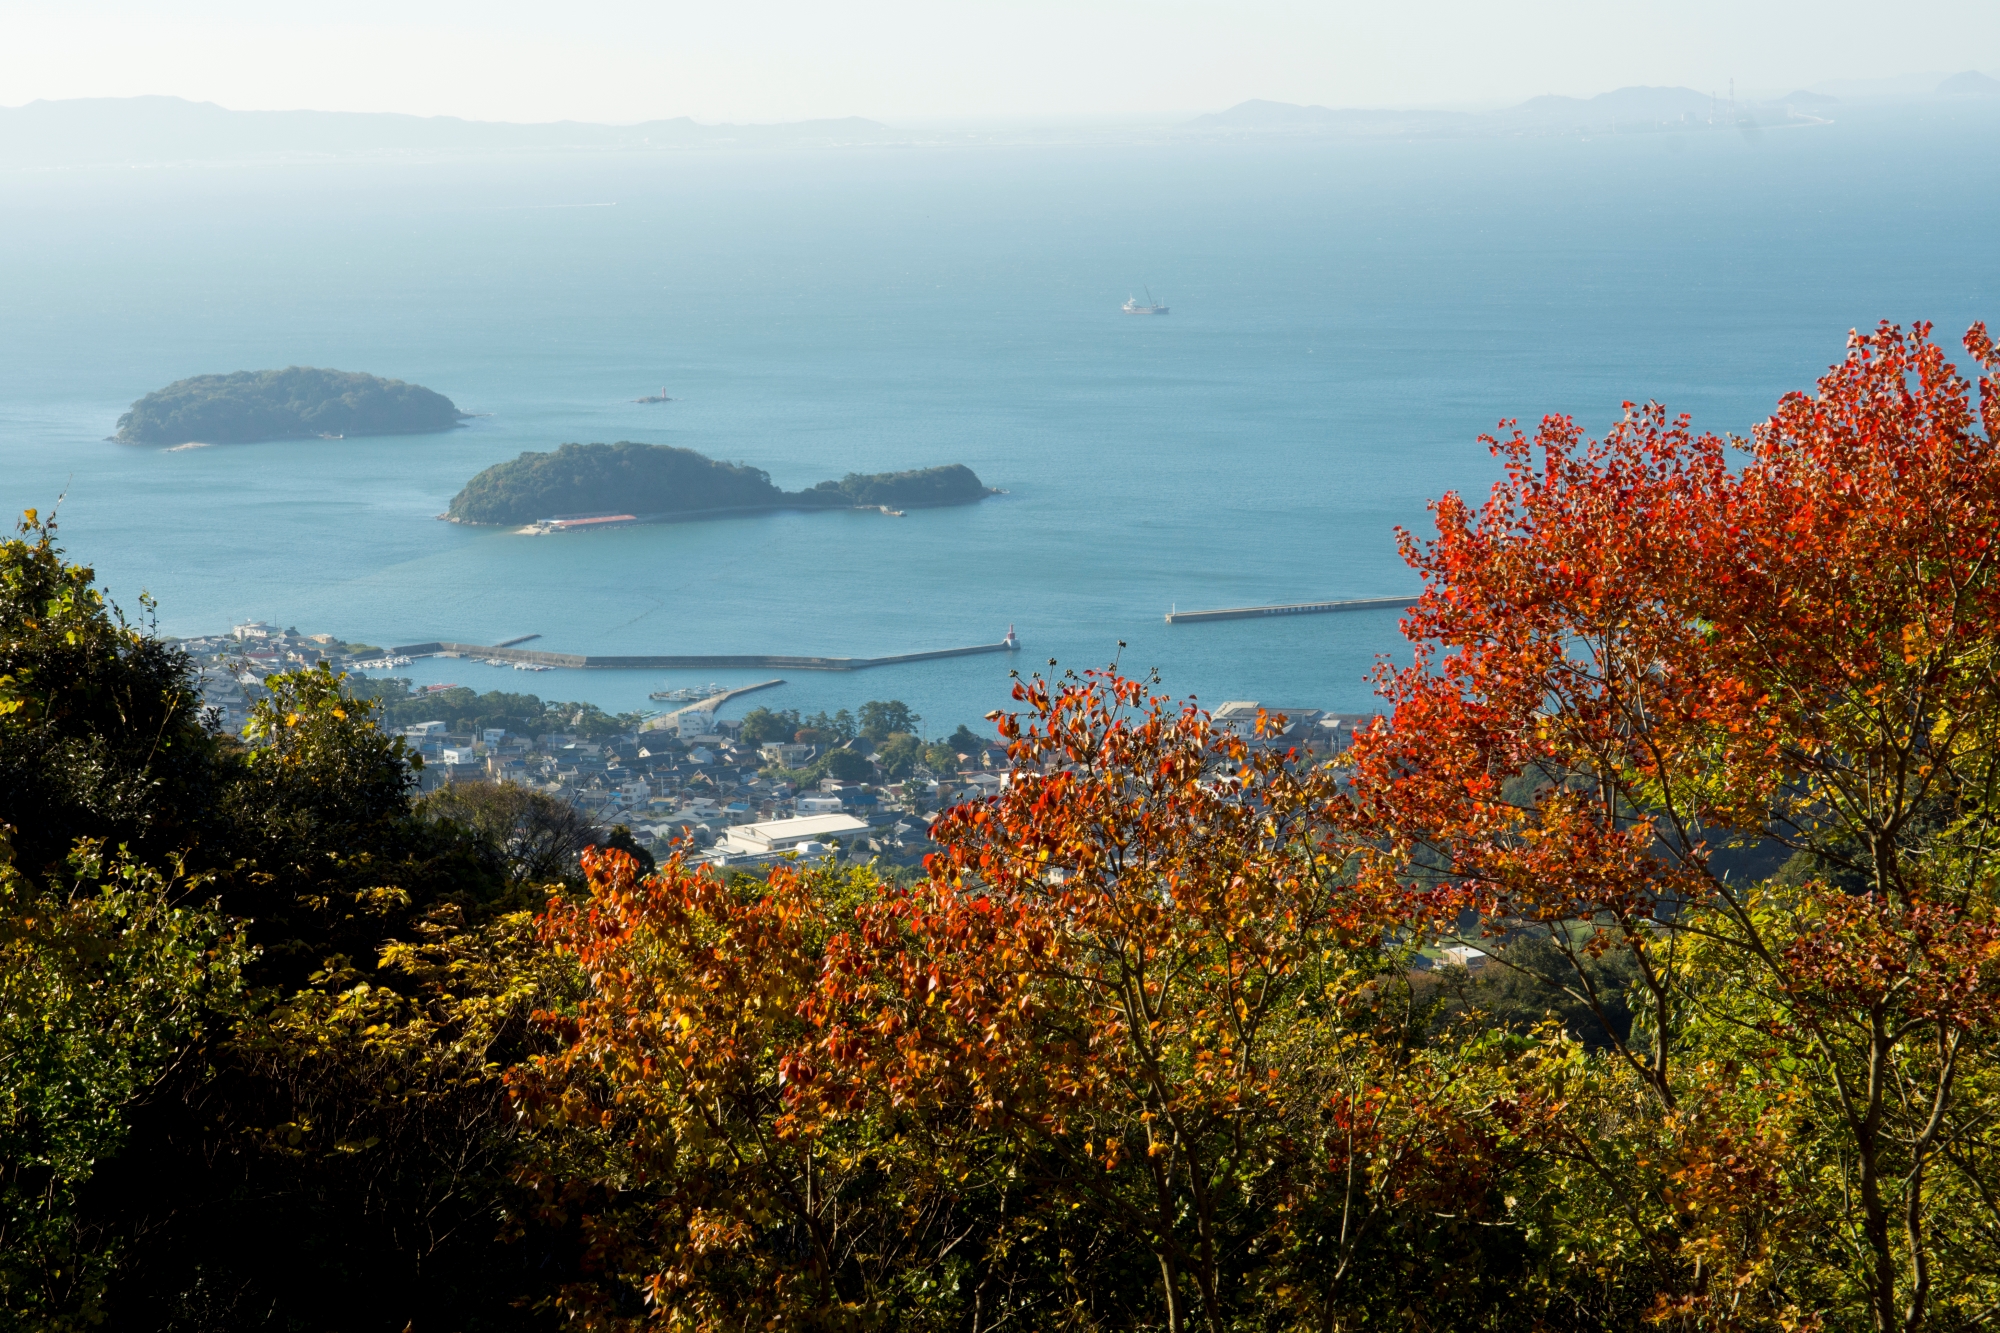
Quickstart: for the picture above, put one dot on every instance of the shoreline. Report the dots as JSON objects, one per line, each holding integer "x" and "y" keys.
{"x": 700, "y": 661}
{"x": 324, "y": 436}
{"x": 547, "y": 527}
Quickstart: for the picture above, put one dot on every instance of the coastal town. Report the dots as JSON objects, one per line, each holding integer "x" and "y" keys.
{"x": 743, "y": 796}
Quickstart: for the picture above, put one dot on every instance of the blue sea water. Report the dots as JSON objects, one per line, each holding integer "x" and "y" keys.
{"x": 1347, "y": 318}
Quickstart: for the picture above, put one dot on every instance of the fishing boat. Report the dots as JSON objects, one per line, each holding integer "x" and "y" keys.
{"x": 686, "y": 695}
{"x": 1151, "y": 307}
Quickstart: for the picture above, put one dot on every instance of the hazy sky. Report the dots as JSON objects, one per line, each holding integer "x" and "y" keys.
{"x": 913, "y": 60}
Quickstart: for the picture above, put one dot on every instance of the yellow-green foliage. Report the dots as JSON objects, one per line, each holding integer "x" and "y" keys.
{"x": 106, "y": 977}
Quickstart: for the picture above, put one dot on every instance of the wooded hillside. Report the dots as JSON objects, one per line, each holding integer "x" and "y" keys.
{"x": 1639, "y": 969}
{"x": 299, "y": 402}
{"x": 658, "y": 480}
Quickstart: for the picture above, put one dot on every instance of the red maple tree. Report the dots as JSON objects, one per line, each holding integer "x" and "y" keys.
{"x": 1652, "y": 667}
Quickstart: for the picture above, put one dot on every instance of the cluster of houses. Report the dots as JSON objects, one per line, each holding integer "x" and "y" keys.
{"x": 707, "y": 785}
{"x": 232, "y": 666}
{"x": 696, "y": 778}
{"x": 1312, "y": 729}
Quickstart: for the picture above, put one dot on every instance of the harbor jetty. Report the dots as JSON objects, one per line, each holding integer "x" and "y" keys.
{"x": 673, "y": 721}
{"x": 703, "y": 661}
{"x": 1177, "y": 617}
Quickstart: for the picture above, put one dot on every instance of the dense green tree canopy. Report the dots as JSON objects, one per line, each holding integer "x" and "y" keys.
{"x": 899, "y": 755}
{"x": 538, "y": 835}
{"x": 618, "y": 478}
{"x": 661, "y": 480}
{"x": 879, "y": 718}
{"x": 100, "y": 723}
{"x": 105, "y": 977}
{"x": 468, "y": 711}
{"x": 249, "y": 1066}
{"x": 847, "y": 765}
{"x": 295, "y": 403}
{"x": 918, "y": 488}
{"x": 764, "y": 725}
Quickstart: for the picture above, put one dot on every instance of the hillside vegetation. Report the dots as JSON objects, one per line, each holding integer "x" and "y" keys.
{"x": 590, "y": 478}
{"x": 298, "y": 402}
{"x": 658, "y": 480}
{"x": 1638, "y": 969}
{"x": 919, "y": 488}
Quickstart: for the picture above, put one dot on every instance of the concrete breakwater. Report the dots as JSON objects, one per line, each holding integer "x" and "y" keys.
{"x": 1291, "y": 609}
{"x": 672, "y": 721}
{"x": 702, "y": 661}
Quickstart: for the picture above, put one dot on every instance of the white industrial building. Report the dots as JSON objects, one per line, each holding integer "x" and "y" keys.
{"x": 805, "y": 837}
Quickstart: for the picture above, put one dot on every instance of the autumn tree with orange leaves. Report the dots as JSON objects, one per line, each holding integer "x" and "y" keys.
{"x": 1730, "y": 708}
{"x": 1699, "y": 742}
{"x": 1130, "y": 1056}
{"x": 667, "y": 1133}
{"x": 1144, "y": 966}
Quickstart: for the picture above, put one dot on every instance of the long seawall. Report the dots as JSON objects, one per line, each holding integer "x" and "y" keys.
{"x": 705, "y": 661}
{"x": 1287, "y": 609}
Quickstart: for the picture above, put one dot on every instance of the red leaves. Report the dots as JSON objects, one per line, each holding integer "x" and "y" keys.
{"x": 1645, "y": 650}
{"x": 1142, "y": 979}
{"x": 706, "y": 1067}
{"x": 1935, "y": 961}
{"x": 1666, "y": 647}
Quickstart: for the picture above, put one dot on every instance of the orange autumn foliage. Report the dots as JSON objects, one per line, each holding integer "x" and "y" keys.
{"x": 705, "y": 1199}
{"x": 1135, "y": 1004}
{"x": 1650, "y": 667}
{"x": 1094, "y": 959}
{"x": 1149, "y": 1045}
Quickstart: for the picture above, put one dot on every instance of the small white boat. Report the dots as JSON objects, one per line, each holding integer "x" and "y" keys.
{"x": 1151, "y": 307}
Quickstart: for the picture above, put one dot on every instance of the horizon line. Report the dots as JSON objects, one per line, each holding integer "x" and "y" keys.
{"x": 1050, "y": 118}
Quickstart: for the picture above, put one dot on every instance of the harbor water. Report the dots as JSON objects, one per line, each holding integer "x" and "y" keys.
{"x": 1346, "y": 318}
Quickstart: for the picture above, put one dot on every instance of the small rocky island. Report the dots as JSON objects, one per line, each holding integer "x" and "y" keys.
{"x": 657, "y": 482}
{"x": 299, "y": 402}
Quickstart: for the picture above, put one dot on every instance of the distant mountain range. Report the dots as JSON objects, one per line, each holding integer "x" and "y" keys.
{"x": 157, "y": 130}
{"x": 1621, "y": 110}
{"x": 1261, "y": 115}
{"x": 1969, "y": 84}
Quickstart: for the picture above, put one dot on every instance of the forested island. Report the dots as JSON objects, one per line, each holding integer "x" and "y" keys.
{"x": 658, "y": 481}
{"x": 298, "y": 402}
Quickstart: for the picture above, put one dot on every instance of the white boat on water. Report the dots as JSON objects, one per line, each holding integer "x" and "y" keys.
{"x": 1151, "y": 307}
{"x": 686, "y": 695}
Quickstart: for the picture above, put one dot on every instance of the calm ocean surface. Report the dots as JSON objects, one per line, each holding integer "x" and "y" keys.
{"x": 1347, "y": 318}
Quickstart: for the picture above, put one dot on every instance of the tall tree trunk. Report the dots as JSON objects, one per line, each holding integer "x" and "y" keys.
{"x": 1913, "y": 1191}
{"x": 1174, "y": 1319}
{"x": 1874, "y": 1214}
